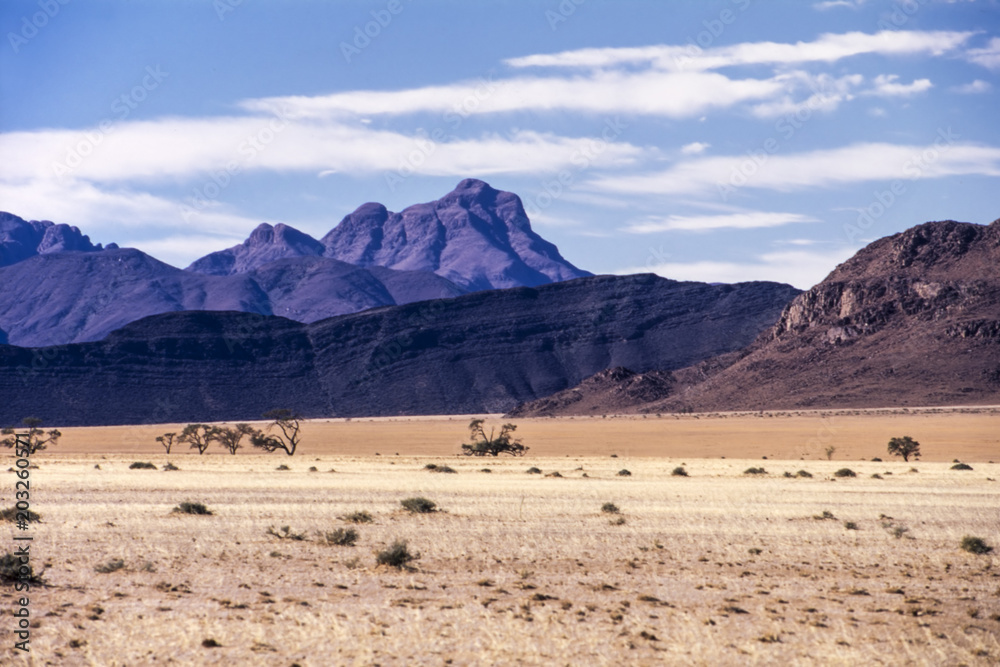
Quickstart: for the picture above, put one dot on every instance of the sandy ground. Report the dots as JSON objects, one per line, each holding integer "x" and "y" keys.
{"x": 715, "y": 568}
{"x": 970, "y": 434}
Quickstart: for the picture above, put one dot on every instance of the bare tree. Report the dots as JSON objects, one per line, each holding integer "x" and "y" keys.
{"x": 199, "y": 436}
{"x": 288, "y": 424}
{"x": 37, "y": 438}
{"x": 493, "y": 444}
{"x": 230, "y": 438}
{"x": 167, "y": 440}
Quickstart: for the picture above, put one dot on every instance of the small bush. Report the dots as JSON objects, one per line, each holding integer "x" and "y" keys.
{"x": 192, "y": 508}
{"x": 10, "y": 514}
{"x": 845, "y": 472}
{"x": 313, "y": 469}
{"x": 534, "y": 471}
{"x": 610, "y": 508}
{"x": 975, "y": 545}
{"x": 679, "y": 471}
{"x": 282, "y": 467}
{"x": 754, "y": 471}
{"x": 803, "y": 473}
{"x": 754, "y": 551}
{"x": 445, "y": 469}
{"x": 430, "y": 466}
{"x": 485, "y": 470}
{"x": 876, "y": 476}
{"x": 961, "y": 466}
{"x": 787, "y": 474}
{"x": 286, "y": 534}
{"x": 624, "y": 473}
{"x": 142, "y": 465}
{"x": 877, "y": 459}
{"x": 850, "y": 525}
{"x": 620, "y": 521}
{"x": 342, "y": 537}
{"x": 10, "y": 571}
{"x": 419, "y": 505}
{"x": 170, "y": 466}
{"x": 827, "y": 514}
{"x": 358, "y": 517}
{"x": 110, "y": 566}
{"x": 396, "y": 555}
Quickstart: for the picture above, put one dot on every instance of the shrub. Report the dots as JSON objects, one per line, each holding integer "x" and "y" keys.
{"x": 110, "y": 566}
{"x": 358, "y": 517}
{"x": 975, "y": 545}
{"x": 170, "y": 466}
{"x": 876, "y": 476}
{"x": 961, "y": 466}
{"x": 754, "y": 471}
{"x": 142, "y": 465}
{"x": 313, "y": 469}
{"x": 845, "y": 472}
{"x": 191, "y": 508}
{"x": 624, "y": 473}
{"x": 827, "y": 514}
{"x": 754, "y": 551}
{"x": 286, "y": 534}
{"x": 874, "y": 459}
{"x": 342, "y": 537}
{"x": 534, "y": 471}
{"x": 430, "y": 466}
{"x": 803, "y": 473}
{"x": 679, "y": 471}
{"x": 282, "y": 467}
{"x": 10, "y": 514}
{"x": 485, "y": 470}
{"x": 444, "y": 469}
{"x": 787, "y": 474}
{"x": 850, "y": 525}
{"x": 619, "y": 521}
{"x": 610, "y": 508}
{"x": 11, "y": 572}
{"x": 419, "y": 505}
{"x": 396, "y": 555}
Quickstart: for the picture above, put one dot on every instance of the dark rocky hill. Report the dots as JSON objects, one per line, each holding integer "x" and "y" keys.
{"x": 481, "y": 352}
{"x": 912, "y": 319}
{"x": 265, "y": 244}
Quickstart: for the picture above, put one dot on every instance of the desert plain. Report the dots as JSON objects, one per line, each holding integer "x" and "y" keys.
{"x": 577, "y": 564}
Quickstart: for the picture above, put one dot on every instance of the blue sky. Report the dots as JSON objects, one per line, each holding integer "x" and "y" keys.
{"x": 718, "y": 141}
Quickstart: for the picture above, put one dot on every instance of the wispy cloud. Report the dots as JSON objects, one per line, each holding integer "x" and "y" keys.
{"x": 821, "y": 168}
{"x": 975, "y": 87}
{"x": 801, "y": 268}
{"x": 695, "y": 148}
{"x": 988, "y": 56}
{"x": 887, "y": 85}
{"x": 747, "y": 220}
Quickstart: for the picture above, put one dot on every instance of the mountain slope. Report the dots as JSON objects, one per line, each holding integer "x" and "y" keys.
{"x": 912, "y": 319}
{"x": 65, "y": 297}
{"x": 481, "y": 352}
{"x": 265, "y": 244}
{"x": 475, "y": 236}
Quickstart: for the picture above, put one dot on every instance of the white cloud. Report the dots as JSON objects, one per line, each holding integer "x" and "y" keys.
{"x": 886, "y": 85}
{"x": 832, "y": 4}
{"x": 827, "y": 48}
{"x": 695, "y": 148}
{"x": 977, "y": 86}
{"x": 989, "y": 56}
{"x": 800, "y": 268}
{"x": 877, "y": 112}
{"x": 747, "y": 220}
{"x": 821, "y": 168}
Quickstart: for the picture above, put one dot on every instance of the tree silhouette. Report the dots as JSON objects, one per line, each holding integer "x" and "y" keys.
{"x": 288, "y": 423}
{"x": 493, "y": 444}
{"x": 905, "y": 447}
{"x": 230, "y": 437}
{"x": 199, "y": 436}
{"x": 167, "y": 440}
{"x": 37, "y": 438}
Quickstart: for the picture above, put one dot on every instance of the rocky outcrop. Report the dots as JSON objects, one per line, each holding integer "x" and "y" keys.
{"x": 21, "y": 239}
{"x": 480, "y": 352}
{"x": 475, "y": 236}
{"x": 266, "y": 244}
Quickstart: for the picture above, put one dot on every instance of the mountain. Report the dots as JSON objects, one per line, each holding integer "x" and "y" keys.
{"x": 21, "y": 239}
{"x": 480, "y": 352}
{"x": 63, "y": 297}
{"x": 912, "y": 319}
{"x": 265, "y": 244}
{"x": 477, "y": 237}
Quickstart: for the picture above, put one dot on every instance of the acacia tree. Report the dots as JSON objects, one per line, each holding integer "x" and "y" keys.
{"x": 493, "y": 444}
{"x": 288, "y": 438}
{"x": 37, "y": 438}
{"x": 167, "y": 440}
{"x": 230, "y": 438}
{"x": 905, "y": 447}
{"x": 199, "y": 436}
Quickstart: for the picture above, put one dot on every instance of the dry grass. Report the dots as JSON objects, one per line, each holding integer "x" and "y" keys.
{"x": 715, "y": 568}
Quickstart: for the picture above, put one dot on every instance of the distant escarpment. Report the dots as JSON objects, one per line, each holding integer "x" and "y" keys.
{"x": 480, "y": 352}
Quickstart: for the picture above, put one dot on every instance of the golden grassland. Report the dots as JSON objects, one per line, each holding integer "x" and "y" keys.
{"x": 715, "y": 568}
